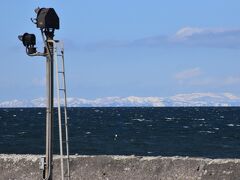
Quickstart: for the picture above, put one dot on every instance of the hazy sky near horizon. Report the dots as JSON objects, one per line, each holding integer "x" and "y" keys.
{"x": 126, "y": 48}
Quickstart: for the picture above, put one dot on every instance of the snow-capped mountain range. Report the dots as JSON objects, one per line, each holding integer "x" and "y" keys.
{"x": 193, "y": 99}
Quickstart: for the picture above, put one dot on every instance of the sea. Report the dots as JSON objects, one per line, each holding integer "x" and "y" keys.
{"x": 212, "y": 132}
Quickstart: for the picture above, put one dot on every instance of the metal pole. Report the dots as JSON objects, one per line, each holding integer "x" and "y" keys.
{"x": 48, "y": 21}
{"x": 49, "y": 109}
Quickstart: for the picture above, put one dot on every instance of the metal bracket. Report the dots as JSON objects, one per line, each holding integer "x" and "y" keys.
{"x": 42, "y": 163}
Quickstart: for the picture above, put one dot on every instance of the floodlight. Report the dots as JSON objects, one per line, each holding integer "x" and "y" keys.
{"x": 47, "y": 18}
{"x": 29, "y": 41}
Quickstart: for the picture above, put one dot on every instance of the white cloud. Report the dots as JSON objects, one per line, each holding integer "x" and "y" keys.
{"x": 207, "y": 37}
{"x": 188, "y": 32}
{"x": 186, "y": 37}
{"x": 189, "y": 73}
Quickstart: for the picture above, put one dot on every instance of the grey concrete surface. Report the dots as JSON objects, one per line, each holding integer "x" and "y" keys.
{"x": 26, "y": 167}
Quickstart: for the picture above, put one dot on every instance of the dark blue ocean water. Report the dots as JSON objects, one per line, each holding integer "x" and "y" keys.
{"x": 185, "y": 131}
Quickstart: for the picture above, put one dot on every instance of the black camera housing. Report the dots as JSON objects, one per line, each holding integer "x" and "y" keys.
{"x": 28, "y": 39}
{"x": 47, "y": 18}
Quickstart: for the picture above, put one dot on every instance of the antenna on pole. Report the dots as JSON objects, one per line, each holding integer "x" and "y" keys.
{"x": 47, "y": 21}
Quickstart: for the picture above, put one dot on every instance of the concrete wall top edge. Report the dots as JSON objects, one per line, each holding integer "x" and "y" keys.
{"x": 34, "y": 158}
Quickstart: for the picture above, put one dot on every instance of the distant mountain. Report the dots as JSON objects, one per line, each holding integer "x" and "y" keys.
{"x": 193, "y": 99}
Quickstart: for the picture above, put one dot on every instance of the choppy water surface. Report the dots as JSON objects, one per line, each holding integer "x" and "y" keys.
{"x": 195, "y": 132}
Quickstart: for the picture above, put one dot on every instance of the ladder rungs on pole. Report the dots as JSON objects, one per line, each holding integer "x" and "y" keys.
{"x": 62, "y": 113}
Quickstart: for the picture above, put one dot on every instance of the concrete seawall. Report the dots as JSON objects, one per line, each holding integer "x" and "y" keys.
{"x": 26, "y": 167}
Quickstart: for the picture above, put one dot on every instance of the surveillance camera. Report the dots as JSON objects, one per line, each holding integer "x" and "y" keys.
{"x": 47, "y": 18}
{"x": 28, "y": 39}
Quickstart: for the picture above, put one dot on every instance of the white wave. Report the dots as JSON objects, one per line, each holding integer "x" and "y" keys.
{"x": 128, "y": 123}
{"x": 199, "y": 119}
{"x": 208, "y": 132}
{"x": 168, "y": 119}
{"x": 140, "y": 120}
{"x": 23, "y": 132}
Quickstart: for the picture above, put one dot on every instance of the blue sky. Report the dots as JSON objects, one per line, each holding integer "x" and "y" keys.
{"x": 127, "y": 48}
